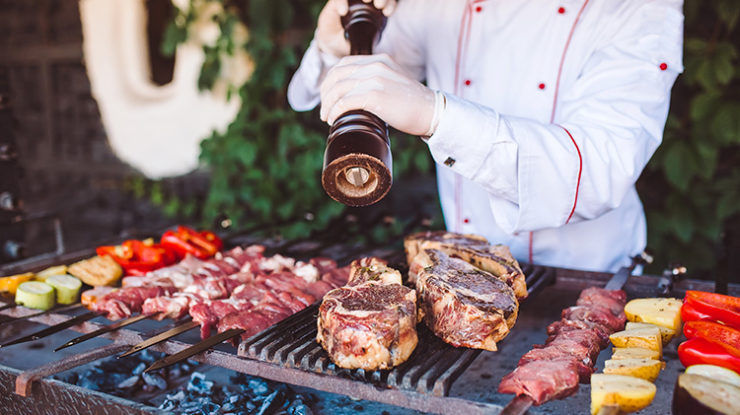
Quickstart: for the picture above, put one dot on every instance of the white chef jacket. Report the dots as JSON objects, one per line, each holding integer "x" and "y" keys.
{"x": 553, "y": 110}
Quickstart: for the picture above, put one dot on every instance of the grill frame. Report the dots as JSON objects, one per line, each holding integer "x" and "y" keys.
{"x": 411, "y": 394}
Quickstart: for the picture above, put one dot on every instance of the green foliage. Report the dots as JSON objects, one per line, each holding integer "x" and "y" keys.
{"x": 265, "y": 169}
{"x": 691, "y": 187}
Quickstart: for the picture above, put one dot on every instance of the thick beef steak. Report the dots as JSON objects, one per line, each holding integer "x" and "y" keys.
{"x": 474, "y": 249}
{"x": 371, "y": 322}
{"x": 461, "y": 304}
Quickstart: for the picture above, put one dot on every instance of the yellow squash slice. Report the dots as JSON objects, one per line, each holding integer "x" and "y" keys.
{"x": 629, "y": 393}
{"x": 665, "y": 333}
{"x": 619, "y": 353}
{"x": 647, "y": 369}
{"x": 648, "y": 338}
{"x": 664, "y": 312}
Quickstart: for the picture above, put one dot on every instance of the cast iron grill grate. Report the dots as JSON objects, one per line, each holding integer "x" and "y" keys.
{"x": 431, "y": 369}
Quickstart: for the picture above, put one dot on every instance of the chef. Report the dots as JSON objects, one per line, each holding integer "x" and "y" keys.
{"x": 540, "y": 114}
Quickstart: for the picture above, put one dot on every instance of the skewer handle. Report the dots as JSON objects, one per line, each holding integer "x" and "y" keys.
{"x": 609, "y": 410}
{"x": 518, "y": 406}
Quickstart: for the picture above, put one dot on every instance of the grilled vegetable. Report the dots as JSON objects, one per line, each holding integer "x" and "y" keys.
{"x": 90, "y": 296}
{"x": 99, "y": 270}
{"x": 67, "y": 288}
{"x": 10, "y": 284}
{"x": 664, "y": 312}
{"x": 48, "y": 272}
{"x": 715, "y": 372}
{"x": 690, "y": 313}
{"x": 138, "y": 257}
{"x": 699, "y": 351}
{"x": 35, "y": 294}
{"x": 727, "y": 337}
{"x": 722, "y": 308}
{"x": 697, "y": 394}
{"x": 648, "y": 338}
{"x": 619, "y": 353}
{"x": 666, "y": 334}
{"x": 185, "y": 241}
{"x": 629, "y": 393}
{"x": 647, "y": 369}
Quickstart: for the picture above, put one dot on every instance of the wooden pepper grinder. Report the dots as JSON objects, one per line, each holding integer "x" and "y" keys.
{"x": 357, "y": 161}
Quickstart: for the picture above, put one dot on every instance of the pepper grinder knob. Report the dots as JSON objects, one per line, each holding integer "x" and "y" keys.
{"x": 357, "y": 161}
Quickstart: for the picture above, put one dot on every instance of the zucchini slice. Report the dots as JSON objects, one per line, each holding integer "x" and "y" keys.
{"x": 35, "y": 294}
{"x": 67, "y": 288}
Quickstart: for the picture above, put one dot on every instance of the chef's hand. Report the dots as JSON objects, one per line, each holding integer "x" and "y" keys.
{"x": 330, "y": 33}
{"x": 377, "y": 84}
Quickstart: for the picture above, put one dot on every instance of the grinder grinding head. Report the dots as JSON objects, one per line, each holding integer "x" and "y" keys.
{"x": 357, "y": 161}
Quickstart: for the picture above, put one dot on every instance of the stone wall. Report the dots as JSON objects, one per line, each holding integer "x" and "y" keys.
{"x": 69, "y": 171}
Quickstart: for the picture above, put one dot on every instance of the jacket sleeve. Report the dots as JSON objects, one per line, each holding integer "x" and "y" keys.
{"x": 400, "y": 39}
{"x": 608, "y": 124}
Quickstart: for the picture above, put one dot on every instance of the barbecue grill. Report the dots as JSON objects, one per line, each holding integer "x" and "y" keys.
{"x": 438, "y": 378}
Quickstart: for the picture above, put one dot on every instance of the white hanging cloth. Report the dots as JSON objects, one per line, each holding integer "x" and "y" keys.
{"x": 156, "y": 129}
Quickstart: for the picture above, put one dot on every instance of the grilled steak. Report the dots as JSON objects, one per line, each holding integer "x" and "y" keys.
{"x": 496, "y": 259}
{"x": 370, "y": 323}
{"x": 461, "y": 304}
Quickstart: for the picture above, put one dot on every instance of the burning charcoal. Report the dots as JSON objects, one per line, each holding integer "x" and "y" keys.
{"x": 179, "y": 396}
{"x": 270, "y": 403}
{"x": 168, "y": 405}
{"x": 155, "y": 380}
{"x": 258, "y": 387}
{"x": 128, "y": 383}
{"x": 299, "y": 408}
{"x": 210, "y": 408}
{"x": 199, "y": 384}
{"x": 139, "y": 369}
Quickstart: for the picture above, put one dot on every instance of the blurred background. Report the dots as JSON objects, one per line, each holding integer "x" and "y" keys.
{"x": 120, "y": 116}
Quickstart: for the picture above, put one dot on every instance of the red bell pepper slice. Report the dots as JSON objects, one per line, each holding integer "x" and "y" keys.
{"x": 690, "y": 313}
{"x": 137, "y": 257}
{"x": 699, "y": 351}
{"x": 722, "y": 308}
{"x": 727, "y": 337}
{"x": 186, "y": 241}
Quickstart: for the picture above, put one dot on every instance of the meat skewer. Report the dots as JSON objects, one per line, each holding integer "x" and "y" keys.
{"x": 107, "y": 329}
{"x": 53, "y": 329}
{"x": 159, "y": 338}
{"x": 553, "y": 371}
{"x": 267, "y": 301}
{"x": 209, "y": 312}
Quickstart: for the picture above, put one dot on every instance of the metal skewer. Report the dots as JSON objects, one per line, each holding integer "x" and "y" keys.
{"x": 107, "y": 329}
{"x": 8, "y": 306}
{"x": 40, "y": 313}
{"x": 53, "y": 329}
{"x": 195, "y": 349}
{"x": 160, "y": 338}
{"x": 521, "y": 404}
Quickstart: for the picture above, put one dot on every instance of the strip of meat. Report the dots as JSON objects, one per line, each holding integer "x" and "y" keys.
{"x": 122, "y": 303}
{"x": 543, "y": 380}
{"x": 595, "y": 314}
{"x": 614, "y": 300}
{"x": 584, "y": 365}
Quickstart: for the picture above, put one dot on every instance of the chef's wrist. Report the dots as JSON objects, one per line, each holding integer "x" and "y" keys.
{"x": 440, "y": 103}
